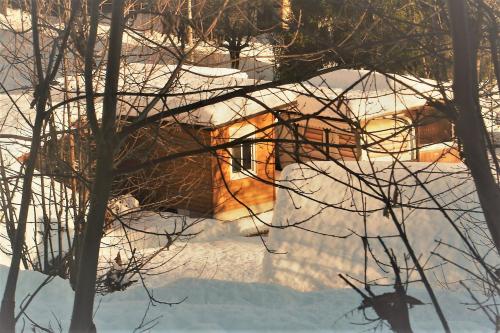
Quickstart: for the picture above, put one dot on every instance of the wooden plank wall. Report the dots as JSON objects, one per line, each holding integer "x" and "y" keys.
{"x": 250, "y": 191}
{"x": 183, "y": 183}
{"x": 389, "y": 136}
{"x": 433, "y": 127}
{"x": 442, "y": 155}
{"x": 312, "y": 141}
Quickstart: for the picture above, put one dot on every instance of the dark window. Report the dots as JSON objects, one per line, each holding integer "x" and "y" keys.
{"x": 435, "y": 132}
{"x": 242, "y": 156}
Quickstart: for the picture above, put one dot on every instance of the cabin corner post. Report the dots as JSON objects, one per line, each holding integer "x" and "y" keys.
{"x": 358, "y": 153}
{"x": 326, "y": 132}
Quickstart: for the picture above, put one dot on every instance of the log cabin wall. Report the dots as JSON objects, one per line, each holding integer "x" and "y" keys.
{"x": 441, "y": 154}
{"x": 313, "y": 140}
{"x": 180, "y": 184}
{"x": 232, "y": 195}
{"x": 421, "y": 134}
{"x": 431, "y": 126}
{"x": 433, "y": 129}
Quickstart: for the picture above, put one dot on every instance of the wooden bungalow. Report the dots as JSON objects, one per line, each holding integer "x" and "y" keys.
{"x": 394, "y": 116}
{"x": 229, "y": 180}
{"x": 240, "y": 146}
{"x": 420, "y": 134}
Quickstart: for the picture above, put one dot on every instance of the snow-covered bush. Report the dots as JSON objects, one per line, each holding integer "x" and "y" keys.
{"x": 118, "y": 277}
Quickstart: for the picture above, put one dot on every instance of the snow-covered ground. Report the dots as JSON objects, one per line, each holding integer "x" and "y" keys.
{"x": 225, "y": 291}
{"x": 229, "y": 306}
{"x": 233, "y": 284}
{"x": 224, "y": 283}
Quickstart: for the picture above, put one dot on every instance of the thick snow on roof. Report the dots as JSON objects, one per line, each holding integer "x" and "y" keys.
{"x": 331, "y": 207}
{"x": 372, "y": 94}
{"x": 239, "y": 107}
{"x": 193, "y": 84}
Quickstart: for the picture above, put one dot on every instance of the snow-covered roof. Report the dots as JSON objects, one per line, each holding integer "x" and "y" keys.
{"x": 372, "y": 94}
{"x": 193, "y": 84}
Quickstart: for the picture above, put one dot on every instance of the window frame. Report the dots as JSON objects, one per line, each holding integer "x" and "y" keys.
{"x": 237, "y": 132}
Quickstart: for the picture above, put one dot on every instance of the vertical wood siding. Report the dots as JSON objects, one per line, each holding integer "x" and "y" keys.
{"x": 257, "y": 192}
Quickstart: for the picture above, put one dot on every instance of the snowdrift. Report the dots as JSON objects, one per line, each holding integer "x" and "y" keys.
{"x": 329, "y": 204}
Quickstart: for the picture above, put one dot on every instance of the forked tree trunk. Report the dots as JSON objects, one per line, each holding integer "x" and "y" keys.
{"x": 469, "y": 123}
{"x": 234, "y": 55}
{"x": 81, "y": 319}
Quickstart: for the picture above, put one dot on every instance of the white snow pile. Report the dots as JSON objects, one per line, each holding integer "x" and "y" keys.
{"x": 331, "y": 203}
{"x": 205, "y": 250}
{"x": 48, "y": 196}
{"x": 47, "y": 208}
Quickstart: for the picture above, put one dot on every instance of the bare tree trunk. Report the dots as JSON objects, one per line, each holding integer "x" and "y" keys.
{"x": 7, "y": 308}
{"x": 4, "y": 4}
{"x": 81, "y": 319}
{"x": 469, "y": 123}
{"x": 189, "y": 28}
{"x": 234, "y": 55}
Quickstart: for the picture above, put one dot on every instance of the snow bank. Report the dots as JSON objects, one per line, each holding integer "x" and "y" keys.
{"x": 210, "y": 254}
{"x": 312, "y": 261}
{"x": 48, "y": 202}
{"x": 147, "y": 229}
